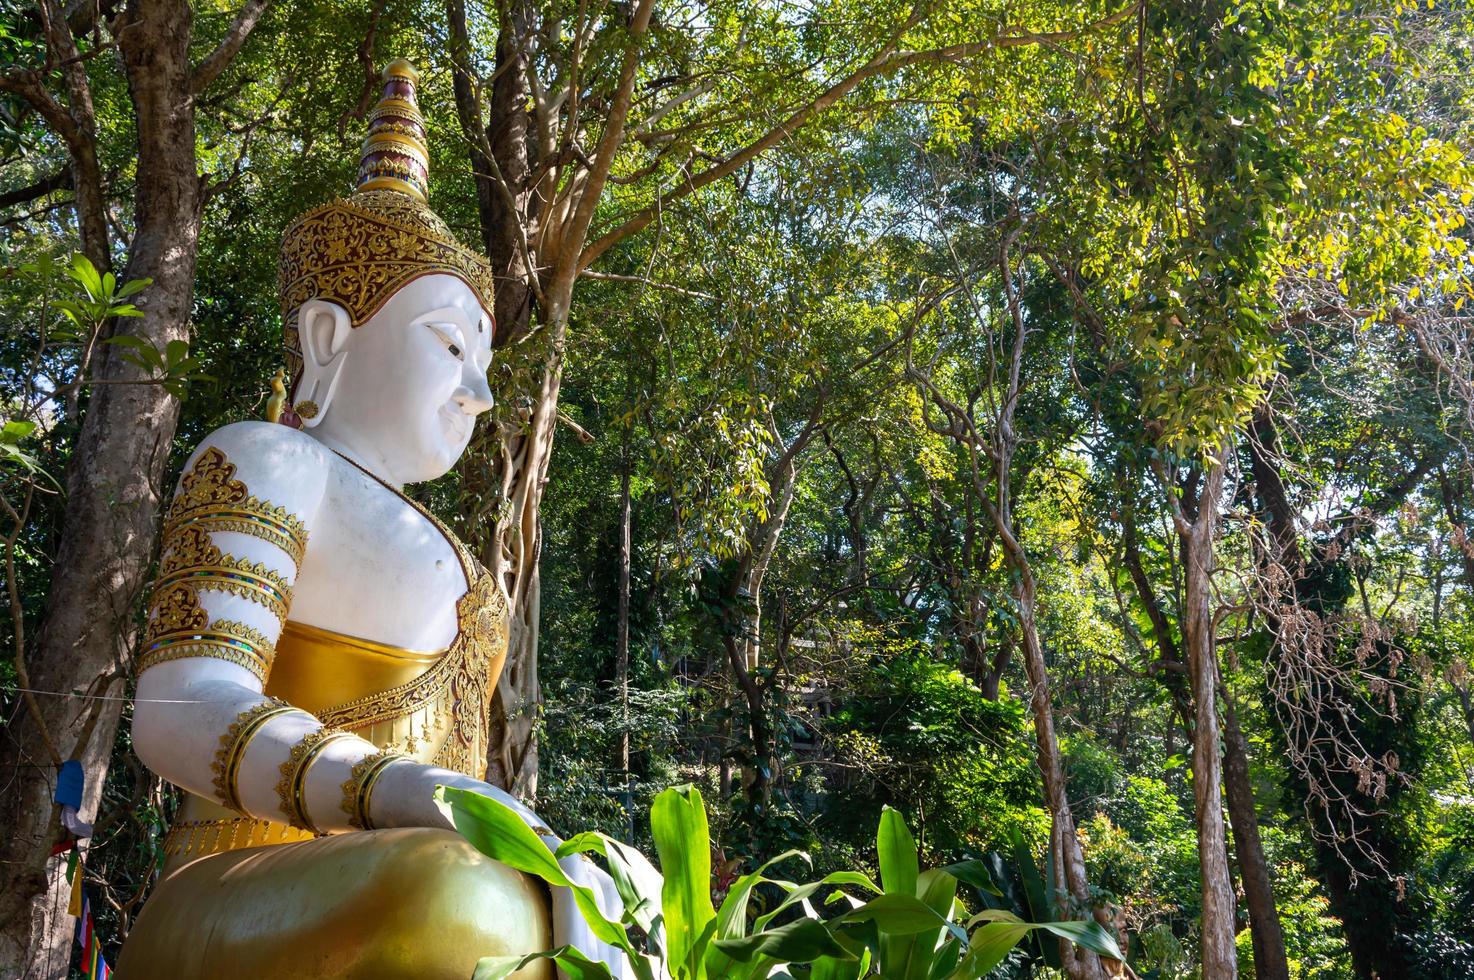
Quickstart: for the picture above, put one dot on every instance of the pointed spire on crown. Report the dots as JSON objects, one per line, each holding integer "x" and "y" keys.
{"x": 395, "y": 156}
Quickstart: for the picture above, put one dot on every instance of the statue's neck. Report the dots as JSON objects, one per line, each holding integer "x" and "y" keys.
{"x": 366, "y": 456}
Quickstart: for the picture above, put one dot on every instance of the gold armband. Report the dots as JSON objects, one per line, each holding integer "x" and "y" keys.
{"x": 209, "y": 500}
{"x": 359, "y": 787}
{"x": 192, "y": 560}
{"x": 290, "y": 789}
{"x": 246, "y": 726}
{"x": 209, "y": 497}
{"x": 179, "y": 626}
{"x": 223, "y": 639}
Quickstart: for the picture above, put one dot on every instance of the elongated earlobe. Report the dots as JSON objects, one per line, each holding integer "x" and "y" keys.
{"x": 323, "y": 329}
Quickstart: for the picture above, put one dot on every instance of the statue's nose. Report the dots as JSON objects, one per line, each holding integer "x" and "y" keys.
{"x": 474, "y": 395}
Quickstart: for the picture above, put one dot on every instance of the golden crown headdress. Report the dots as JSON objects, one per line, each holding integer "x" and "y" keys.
{"x": 358, "y": 251}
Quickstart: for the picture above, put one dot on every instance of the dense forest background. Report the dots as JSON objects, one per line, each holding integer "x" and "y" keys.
{"x": 1050, "y": 420}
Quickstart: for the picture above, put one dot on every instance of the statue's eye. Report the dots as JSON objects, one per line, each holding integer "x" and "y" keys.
{"x": 448, "y": 336}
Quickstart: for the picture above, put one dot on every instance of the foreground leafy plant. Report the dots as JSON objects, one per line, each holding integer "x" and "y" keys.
{"x": 909, "y": 927}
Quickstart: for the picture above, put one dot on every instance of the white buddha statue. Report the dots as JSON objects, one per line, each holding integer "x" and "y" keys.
{"x": 321, "y": 651}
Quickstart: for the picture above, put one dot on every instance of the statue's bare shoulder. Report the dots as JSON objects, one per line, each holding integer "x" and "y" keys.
{"x": 277, "y": 463}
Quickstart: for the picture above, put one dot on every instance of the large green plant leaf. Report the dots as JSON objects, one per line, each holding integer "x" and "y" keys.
{"x": 732, "y": 916}
{"x": 731, "y": 921}
{"x": 799, "y": 893}
{"x": 501, "y": 835}
{"x": 800, "y": 941}
{"x": 832, "y": 968}
{"x": 898, "y": 915}
{"x": 1001, "y": 931}
{"x": 1036, "y": 896}
{"x": 678, "y": 824}
{"x": 989, "y": 946}
{"x": 1091, "y": 935}
{"x": 899, "y": 865}
{"x": 916, "y": 956}
{"x": 637, "y": 881}
{"x": 977, "y": 875}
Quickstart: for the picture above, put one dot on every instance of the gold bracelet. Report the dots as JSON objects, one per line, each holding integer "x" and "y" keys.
{"x": 240, "y": 577}
{"x": 233, "y": 742}
{"x": 359, "y": 786}
{"x": 289, "y": 789}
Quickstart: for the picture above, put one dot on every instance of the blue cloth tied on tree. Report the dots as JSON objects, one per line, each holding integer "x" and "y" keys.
{"x": 70, "y": 781}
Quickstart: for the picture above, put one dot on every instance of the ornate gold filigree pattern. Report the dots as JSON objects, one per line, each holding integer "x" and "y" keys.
{"x": 223, "y": 639}
{"x": 455, "y": 693}
{"x": 192, "y": 559}
{"x": 175, "y": 609}
{"x": 358, "y": 789}
{"x": 209, "y": 495}
{"x": 358, "y": 252}
{"x": 196, "y": 838}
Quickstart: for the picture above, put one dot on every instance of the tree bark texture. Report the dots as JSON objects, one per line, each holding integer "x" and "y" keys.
{"x": 622, "y": 639}
{"x": 534, "y": 232}
{"x": 1269, "y": 947}
{"x": 518, "y": 476}
{"x": 1066, "y": 856}
{"x": 1218, "y": 955}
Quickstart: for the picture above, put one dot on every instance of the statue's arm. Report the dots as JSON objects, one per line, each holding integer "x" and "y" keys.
{"x": 234, "y": 539}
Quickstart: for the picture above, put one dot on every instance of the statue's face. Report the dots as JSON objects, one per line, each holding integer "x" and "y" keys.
{"x": 414, "y": 379}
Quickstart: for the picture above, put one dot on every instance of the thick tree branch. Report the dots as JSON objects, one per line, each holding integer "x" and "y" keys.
{"x": 230, "y": 45}
{"x": 58, "y": 181}
{"x": 570, "y": 263}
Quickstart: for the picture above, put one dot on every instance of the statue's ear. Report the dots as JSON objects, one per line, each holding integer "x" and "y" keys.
{"x": 323, "y": 329}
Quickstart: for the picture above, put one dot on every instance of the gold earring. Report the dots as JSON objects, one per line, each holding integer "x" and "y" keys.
{"x": 306, "y": 409}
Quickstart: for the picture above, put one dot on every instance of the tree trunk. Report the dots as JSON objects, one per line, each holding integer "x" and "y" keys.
{"x": 622, "y": 639}
{"x": 114, "y": 487}
{"x": 1065, "y": 854}
{"x": 520, "y": 472}
{"x": 512, "y": 467}
{"x": 88, "y": 203}
{"x": 1218, "y": 955}
{"x": 744, "y": 599}
{"x": 1270, "y": 961}
{"x": 986, "y": 667}
{"x": 502, "y": 147}
{"x": 81, "y": 139}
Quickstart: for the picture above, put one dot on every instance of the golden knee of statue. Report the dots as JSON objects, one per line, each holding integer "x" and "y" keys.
{"x": 411, "y": 902}
{"x": 321, "y": 651}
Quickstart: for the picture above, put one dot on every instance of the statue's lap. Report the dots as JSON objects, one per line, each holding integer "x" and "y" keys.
{"x": 406, "y": 903}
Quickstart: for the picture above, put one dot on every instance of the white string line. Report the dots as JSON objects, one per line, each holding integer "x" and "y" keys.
{"x": 108, "y": 697}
